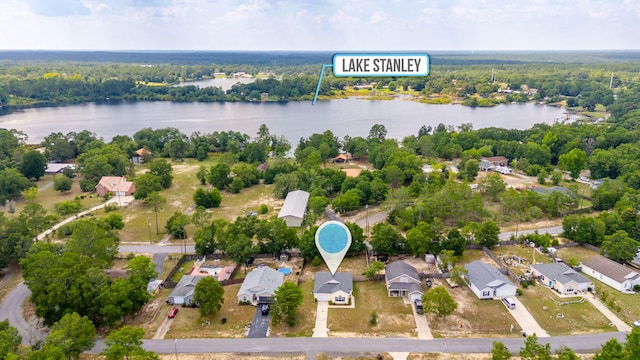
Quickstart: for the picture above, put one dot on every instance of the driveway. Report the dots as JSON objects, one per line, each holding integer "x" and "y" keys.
{"x": 259, "y": 325}
{"x": 163, "y": 329}
{"x": 422, "y": 325}
{"x": 619, "y": 324}
{"x": 11, "y": 309}
{"x": 523, "y": 317}
{"x": 321, "y": 320}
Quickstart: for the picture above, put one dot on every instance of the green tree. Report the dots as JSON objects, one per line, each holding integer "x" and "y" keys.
{"x": 499, "y": 351}
{"x": 209, "y": 295}
{"x": 556, "y": 177}
{"x": 219, "y": 175}
{"x": 532, "y": 350}
{"x": 33, "y": 165}
{"x": 201, "y": 175}
{"x": 287, "y": 298}
{"x": 146, "y": 184}
{"x": 632, "y": 346}
{"x": 611, "y": 350}
{"x": 91, "y": 240}
{"x": 207, "y": 199}
{"x": 386, "y": 239}
{"x": 565, "y": 353}
{"x": 573, "y": 161}
{"x": 439, "y": 302}
{"x": 156, "y": 202}
{"x": 284, "y": 184}
{"x": 371, "y": 271}
{"x": 470, "y": 171}
{"x": 73, "y": 334}
{"x": 126, "y": 343}
{"x": 347, "y": 202}
{"x": 493, "y": 186}
{"x": 619, "y": 247}
{"x": 162, "y": 168}
{"x": 12, "y": 183}
{"x": 240, "y": 249}
{"x": 487, "y": 234}
{"x": 9, "y": 339}
{"x": 176, "y": 225}
{"x": 62, "y": 183}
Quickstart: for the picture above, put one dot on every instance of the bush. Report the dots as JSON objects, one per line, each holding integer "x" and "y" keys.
{"x": 519, "y": 292}
{"x": 207, "y": 199}
{"x": 373, "y": 319}
{"x": 223, "y": 320}
{"x": 263, "y": 209}
{"x": 67, "y": 207}
{"x": 130, "y": 256}
{"x": 316, "y": 261}
{"x": 525, "y": 284}
{"x": 110, "y": 207}
{"x": 636, "y": 288}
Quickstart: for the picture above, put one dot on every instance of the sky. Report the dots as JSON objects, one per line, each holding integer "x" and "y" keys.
{"x": 320, "y": 25}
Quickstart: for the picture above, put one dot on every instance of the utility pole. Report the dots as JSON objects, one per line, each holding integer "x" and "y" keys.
{"x": 149, "y": 226}
{"x": 175, "y": 347}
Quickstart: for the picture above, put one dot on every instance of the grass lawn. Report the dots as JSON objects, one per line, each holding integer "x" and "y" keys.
{"x": 529, "y": 254}
{"x": 353, "y": 264}
{"x": 306, "y": 316}
{"x": 473, "y": 317}
{"x": 249, "y": 199}
{"x": 581, "y": 318}
{"x": 577, "y": 253}
{"x": 188, "y": 324}
{"x": 623, "y": 305}
{"x": 395, "y": 318}
{"x": 470, "y": 255}
{"x": 169, "y": 262}
{"x": 184, "y": 269}
{"x": 49, "y": 197}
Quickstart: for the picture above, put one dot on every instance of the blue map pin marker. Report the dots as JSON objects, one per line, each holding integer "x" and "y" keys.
{"x": 333, "y": 240}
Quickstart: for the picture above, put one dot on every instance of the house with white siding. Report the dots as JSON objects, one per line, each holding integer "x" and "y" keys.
{"x": 616, "y": 275}
{"x": 487, "y": 282}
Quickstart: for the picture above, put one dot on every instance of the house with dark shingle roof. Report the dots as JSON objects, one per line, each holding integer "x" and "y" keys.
{"x": 402, "y": 280}
{"x": 611, "y": 273}
{"x": 338, "y": 289}
{"x": 560, "y": 277}
{"x": 487, "y": 282}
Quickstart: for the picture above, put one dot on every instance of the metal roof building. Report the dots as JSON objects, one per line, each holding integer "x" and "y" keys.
{"x": 294, "y": 208}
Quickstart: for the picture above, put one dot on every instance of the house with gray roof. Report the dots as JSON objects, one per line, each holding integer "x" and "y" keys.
{"x": 561, "y": 278}
{"x": 337, "y": 289}
{"x": 262, "y": 282}
{"x": 294, "y": 208}
{"x": 402, "y": 280}
{"x": 611, "y": 273}
{"x": 487, "y": 282}
{"x": 182, "y": 294}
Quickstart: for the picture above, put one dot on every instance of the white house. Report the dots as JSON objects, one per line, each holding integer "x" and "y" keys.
{"x": 560, "y": 277}
{"x": 487, "y": 282}
{"x": 260, "y": 283}
{"x": 611, "y": 273}
{"x": 294, "y": 208}
{"x": 402, "y": 280}
{"x": 338, "y": 289}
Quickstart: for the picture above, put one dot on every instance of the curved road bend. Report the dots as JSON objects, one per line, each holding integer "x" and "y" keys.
{"x": 11, "y": 309}
{"x": 312, "y": 346}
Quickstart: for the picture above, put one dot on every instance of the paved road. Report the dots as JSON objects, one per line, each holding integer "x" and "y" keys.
{"x": 553, "y": 230}
{"x": 11, "y": 309}
{"x": 158, "y": 259}
{"x": 312, "y": 346}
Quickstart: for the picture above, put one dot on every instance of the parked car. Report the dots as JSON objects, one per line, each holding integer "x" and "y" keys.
{"x": 252, "y": 213}
{"x": 584, "y": 178}
{"x": 264, "y": 308}
{"x": 173, "y": 312}
{"x": 419, "y": 308}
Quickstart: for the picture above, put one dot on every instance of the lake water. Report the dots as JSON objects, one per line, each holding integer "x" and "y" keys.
{"x": 293, "y": 119}
{"x": 224, "y": 83}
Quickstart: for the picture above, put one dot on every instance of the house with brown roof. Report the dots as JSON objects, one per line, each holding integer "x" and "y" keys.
{"x": 139, "y": 156}
{"x": 340, "y": 159}
{"x": 611, "y": 273}
{"x": 115, "y": 185}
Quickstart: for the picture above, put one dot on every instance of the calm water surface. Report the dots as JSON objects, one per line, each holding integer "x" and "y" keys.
{"x": 292, "y": 119}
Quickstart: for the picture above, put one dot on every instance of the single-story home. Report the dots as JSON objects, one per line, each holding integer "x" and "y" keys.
{"x": 337, "y": 289}
{"x": 115, "y": 185}
{"x": 496, "y": 160}
{"x": 182, "y": 294}
{"x": 402, "y": 280}
{"x": 560, "y": 277}
{"x": 340, "y": 159}
{"x": 294, "y": 208}
{"x": 611, "y": 273}
{"x": 261, "y": 282}
{"x": 56, "y": 168}
{"x": 486, "y": 165}
{"x": 139, "y": 155}
{"x": 487, "y": 282}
